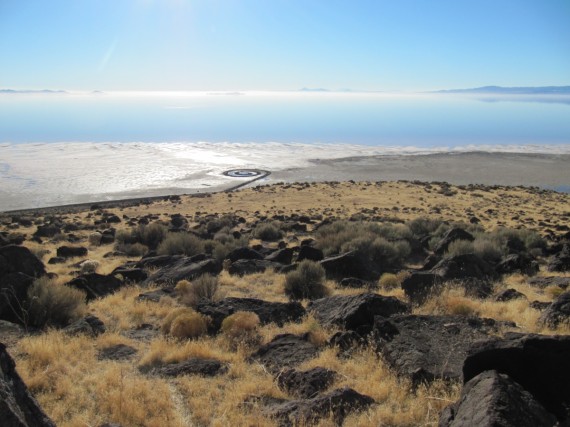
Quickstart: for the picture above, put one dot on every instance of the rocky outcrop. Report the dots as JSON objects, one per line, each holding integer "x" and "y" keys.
{"x": 268, "y": 312}
{"x": 285, "y": 351}
{"x": 355, "y": 312}
{"x": 243, "y": 267}
{"x": 493, "y": 399}
{"x": 310, "y": 253}
{"x": 18, "y": 408}
{"x": 425, "y": 348}
{"x": 243, "y": 253}
{"x": 539, "y": 363}
{"x": 282, "y": 256}
{"x": 337, "y": 404}
{"x": 558, "y": 312}
{"x": 185, "y": 268}
{"x": 349, "y": 264}
{"x": 306, "y": 384}
{"x": 96, "y": 285}
{"x": 193, "y": 366}
{"x": 518, "y": 263}
{"x": 560, "y": 261}
{"x": 451, "y": 236}
{"x": 89, "y": 325}
{"x": 71, "y": 251}
{"x": 18, "y": 270}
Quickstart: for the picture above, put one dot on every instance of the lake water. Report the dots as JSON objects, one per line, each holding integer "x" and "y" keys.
{"x": 66, "y": 148}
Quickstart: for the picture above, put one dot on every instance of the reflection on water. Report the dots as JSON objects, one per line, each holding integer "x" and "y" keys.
{"x": 423, "y": 120}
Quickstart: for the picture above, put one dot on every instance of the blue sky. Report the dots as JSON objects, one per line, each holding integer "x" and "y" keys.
{"x": 283, "y": 45}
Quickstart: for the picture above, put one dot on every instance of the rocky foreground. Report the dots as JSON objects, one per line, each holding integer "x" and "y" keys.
{"x": 293, "y": 304}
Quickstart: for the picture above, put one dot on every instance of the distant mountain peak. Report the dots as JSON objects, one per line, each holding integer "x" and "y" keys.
{"x": 496, "y": 90}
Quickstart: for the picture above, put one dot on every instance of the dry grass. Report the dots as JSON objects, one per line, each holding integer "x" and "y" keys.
{"x": 77, "y": 389}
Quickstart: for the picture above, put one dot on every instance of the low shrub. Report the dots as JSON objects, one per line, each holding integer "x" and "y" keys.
{"x": 307, "y": 282}
{"x": 268, "y": 232}
{"x": 181, "y": 244}
{"x": 167, "y": 322}
{"x": 389, "y": 281}
{"x": 150, "y": 235}
{"x": 50, "y": 304}
{"x": 241, "y": 328}
{"x": 205, "y": 287}
{"x": 189, "y": 325}
{"x": 132, "y": 249}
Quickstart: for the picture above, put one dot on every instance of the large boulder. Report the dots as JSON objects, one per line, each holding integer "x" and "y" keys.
{"x": 47, "y": 230}
{"x": 560, "y": 261}
{"x": 539, "y": 363}
{"x": 242, "y": 267}
{"x": 306, "y": 384}
{"x": 349, "y": 264}
{"x": 71, "y": 251}
{"x": 185, "y": 268}
{"x": 310, "y": 253}
{"x": 18, "y": 270}
{"x": 192, "y": 366}
{"x": 282, "y": 256}
{"x": 424, "y": 348}
{"x": 338, "y": 403}
{"x": 96, "y": 285}
{"x": 464, "y": 266}
{"x": 285, "y": 351}
{"x": 355, "y": 312}
{"x": 19, "y": 259}
{"x": 268, "y": 312}
{"x": 543, "y": 282}
{"x": 492, "y": 399}
{"x": 18, "y": 408}
{"x": 243, "y": 253}
{"x": 451, "y": 236}
{"x": 558, "y": 312}
{"x": 517, "y": 263}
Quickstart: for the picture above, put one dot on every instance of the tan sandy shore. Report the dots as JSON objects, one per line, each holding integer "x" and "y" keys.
{"x": 541, "y": 170}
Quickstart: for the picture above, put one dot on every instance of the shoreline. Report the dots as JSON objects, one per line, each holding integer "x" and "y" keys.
{"x": 545, "y": 171}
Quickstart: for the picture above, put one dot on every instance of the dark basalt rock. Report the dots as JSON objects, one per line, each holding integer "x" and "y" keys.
{"x": 354, "y": 312}
{"x": 353, "y": 282}
{"x": 348, "y": 265}
{"x": 464, "y": 266}
{"x": 193, "y": 366}
{"x": 518, "y": 263}
{"x": 155, "y": 296}
{"x": 133, "y": 275}
{"x": 18, "y": 408}
{"x": 539, "y": 363}
{"x": 243, "y": 253}
{"x": 48, "y": 230}
{"x": 18, "y": 270}
{"x": 185, "y": 268}
{"x": 243, "y": 267}
{"x": 89, "y": 325}
{"x": 285, "y": 351}
{"x": 306, "y": 384}
{"x": 558, "y": 311}
{"x": 268, "y": 312}
{"x": 539, "y": 305}
{"x": 561, "y": 260}
{"x": 96, "y": 285}
{"x": 310, "y": 253}
{"x": 493, "y": 399}
{"x": 71, "y": 251}
{"x": 425, "y": 348}
{"x": 117, "y": 352}
{"x": 282, "y": 256}
{"x": 509, "y": 295}
{"x": 451, "y": 236}
{"x": 543, "y": 282}
{"x": 338, "y": 403}
{"x": 420, "y": 286}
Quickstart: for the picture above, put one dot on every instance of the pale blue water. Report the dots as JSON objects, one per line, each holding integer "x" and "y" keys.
{"x": 368, "y": 119}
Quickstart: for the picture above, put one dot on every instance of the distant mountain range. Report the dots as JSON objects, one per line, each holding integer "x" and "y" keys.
{"x": 499, "y": 90}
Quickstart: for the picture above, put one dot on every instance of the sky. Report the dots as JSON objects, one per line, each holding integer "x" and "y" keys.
{"x": 394, "y": 45}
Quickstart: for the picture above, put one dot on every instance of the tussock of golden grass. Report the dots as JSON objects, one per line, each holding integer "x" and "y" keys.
{"x": 317, "y": 334}
{"x": 267, "y": 286}
{"x": 120, "y": 311}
